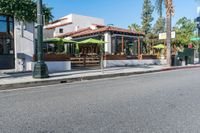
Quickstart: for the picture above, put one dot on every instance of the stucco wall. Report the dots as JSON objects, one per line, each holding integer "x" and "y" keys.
{"x": 86, "y": 21}
{"x": 107, "y": 39}
{"x": 78, "y": 21}
{"x": 58, "y": 66}
{"x": 24, "y": 45}
{"x": 49, "y": 33}
{"x": 112, "y": 63}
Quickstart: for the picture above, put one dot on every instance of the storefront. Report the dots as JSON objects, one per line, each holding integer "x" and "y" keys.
{"x": 7, "y": 42}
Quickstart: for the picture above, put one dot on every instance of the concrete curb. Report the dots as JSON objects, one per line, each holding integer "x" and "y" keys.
{"x": 84, "y": 78}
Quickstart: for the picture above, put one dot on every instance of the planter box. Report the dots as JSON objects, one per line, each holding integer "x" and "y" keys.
{"x": 56, "y": 62}
{"x": 133, "y": 62}
{"x": 54, "y": 57}
{"x": 149, "y": 57}
{"x": 124, "y": 60}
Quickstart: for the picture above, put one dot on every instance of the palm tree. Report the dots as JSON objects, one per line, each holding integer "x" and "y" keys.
{"x": 169, "y": 12}
{"x": 135, "y": 27}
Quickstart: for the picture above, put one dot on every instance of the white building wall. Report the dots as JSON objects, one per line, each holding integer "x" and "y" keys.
{"x": 107, "y": 39}
{"x": 66, "y": 29}
{"x": 49, "y": 33}
{"x": 24, "y": 45}
{"x": 115, "y": 63}
{"x": 85, "y": 21}
{"x": 58, "y": 66}
{"x": 77, "y": 22}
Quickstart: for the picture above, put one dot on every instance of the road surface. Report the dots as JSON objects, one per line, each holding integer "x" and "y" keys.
{"x": 166, "y": 102}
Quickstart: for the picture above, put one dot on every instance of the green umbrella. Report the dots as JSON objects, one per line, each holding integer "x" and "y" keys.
{"x": 68, "y": 41}
{"x": 91, "y": 41}
{"x": 160, "y": 46}
{"x": 58, "y": 41}
{"x": 53, "y": 40}
{"x": 95, "y": 41}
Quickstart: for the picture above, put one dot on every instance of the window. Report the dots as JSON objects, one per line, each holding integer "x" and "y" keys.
{"x": 6, "y": 36}
{"x": 6, "y": 23}
{"x": 60, "y": 30}
{"x": 2, "y": 18}
{"x": 3, "y": 26}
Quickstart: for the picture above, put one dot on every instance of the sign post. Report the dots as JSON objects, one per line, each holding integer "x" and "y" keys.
{"x": 197, "y": 20}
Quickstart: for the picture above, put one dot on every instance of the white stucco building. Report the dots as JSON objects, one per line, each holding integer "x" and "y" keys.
{"x": 17, "y": 40}
{"x": 24, "y": 44}
{"x": 70, "y": 23}
{"x": 16, "y": 44}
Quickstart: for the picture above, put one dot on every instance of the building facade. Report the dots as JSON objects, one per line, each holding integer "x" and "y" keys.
{"x": 70, "y": 23}
{"x": 123, "y": 47}
{"x": 16, "y": 43}
{"x": 118, "y": 40}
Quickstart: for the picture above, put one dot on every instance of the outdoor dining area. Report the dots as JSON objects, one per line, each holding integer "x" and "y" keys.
{"x": 85, "y": 53}
{"x": 94, "y": 52}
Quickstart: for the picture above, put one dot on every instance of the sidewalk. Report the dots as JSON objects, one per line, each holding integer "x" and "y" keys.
{"x": 11, "y": 80}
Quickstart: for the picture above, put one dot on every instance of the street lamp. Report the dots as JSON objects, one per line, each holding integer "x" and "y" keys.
{"x": 40, "y": 68}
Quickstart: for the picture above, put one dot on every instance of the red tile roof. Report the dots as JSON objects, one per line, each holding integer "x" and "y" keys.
{"x": 88, "y": 31}
{"x": 58, "y": 25}
{"x": 73, "y": 32}
{"x": 57, "y": 21}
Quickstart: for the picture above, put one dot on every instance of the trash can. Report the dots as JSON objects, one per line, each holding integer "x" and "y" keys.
{"x": 178, "y": 61}
{"x": 186, "y": 60}
{"x": 173, "y": 60}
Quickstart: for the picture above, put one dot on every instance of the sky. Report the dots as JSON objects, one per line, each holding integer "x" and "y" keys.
{"x": 120, "y": 13}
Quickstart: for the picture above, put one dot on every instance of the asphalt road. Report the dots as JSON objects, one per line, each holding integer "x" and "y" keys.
{"x": 167, "y": 102}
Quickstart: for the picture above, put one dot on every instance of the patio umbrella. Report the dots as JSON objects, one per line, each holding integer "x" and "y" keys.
{"x": 58, "y": 41}
{"x": 53, "y": 40}
{"x": 95, "y": 41}
{"x": 91, "y": 41}
{"x": 160, "y": 46}
{"x": 68, "y": 41}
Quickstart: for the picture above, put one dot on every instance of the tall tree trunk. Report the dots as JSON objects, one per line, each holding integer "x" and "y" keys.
{"x": 168, "y": 20}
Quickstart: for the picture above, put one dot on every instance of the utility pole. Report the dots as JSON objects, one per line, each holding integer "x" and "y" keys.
{"x": 40, "y": 68}
{"x": 197, "y": 20}
{"x": 168, "y": 40}
{"x": 198, "y": 27}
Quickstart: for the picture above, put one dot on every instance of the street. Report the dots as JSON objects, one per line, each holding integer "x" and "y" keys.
{"x": 165, "y": 102}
